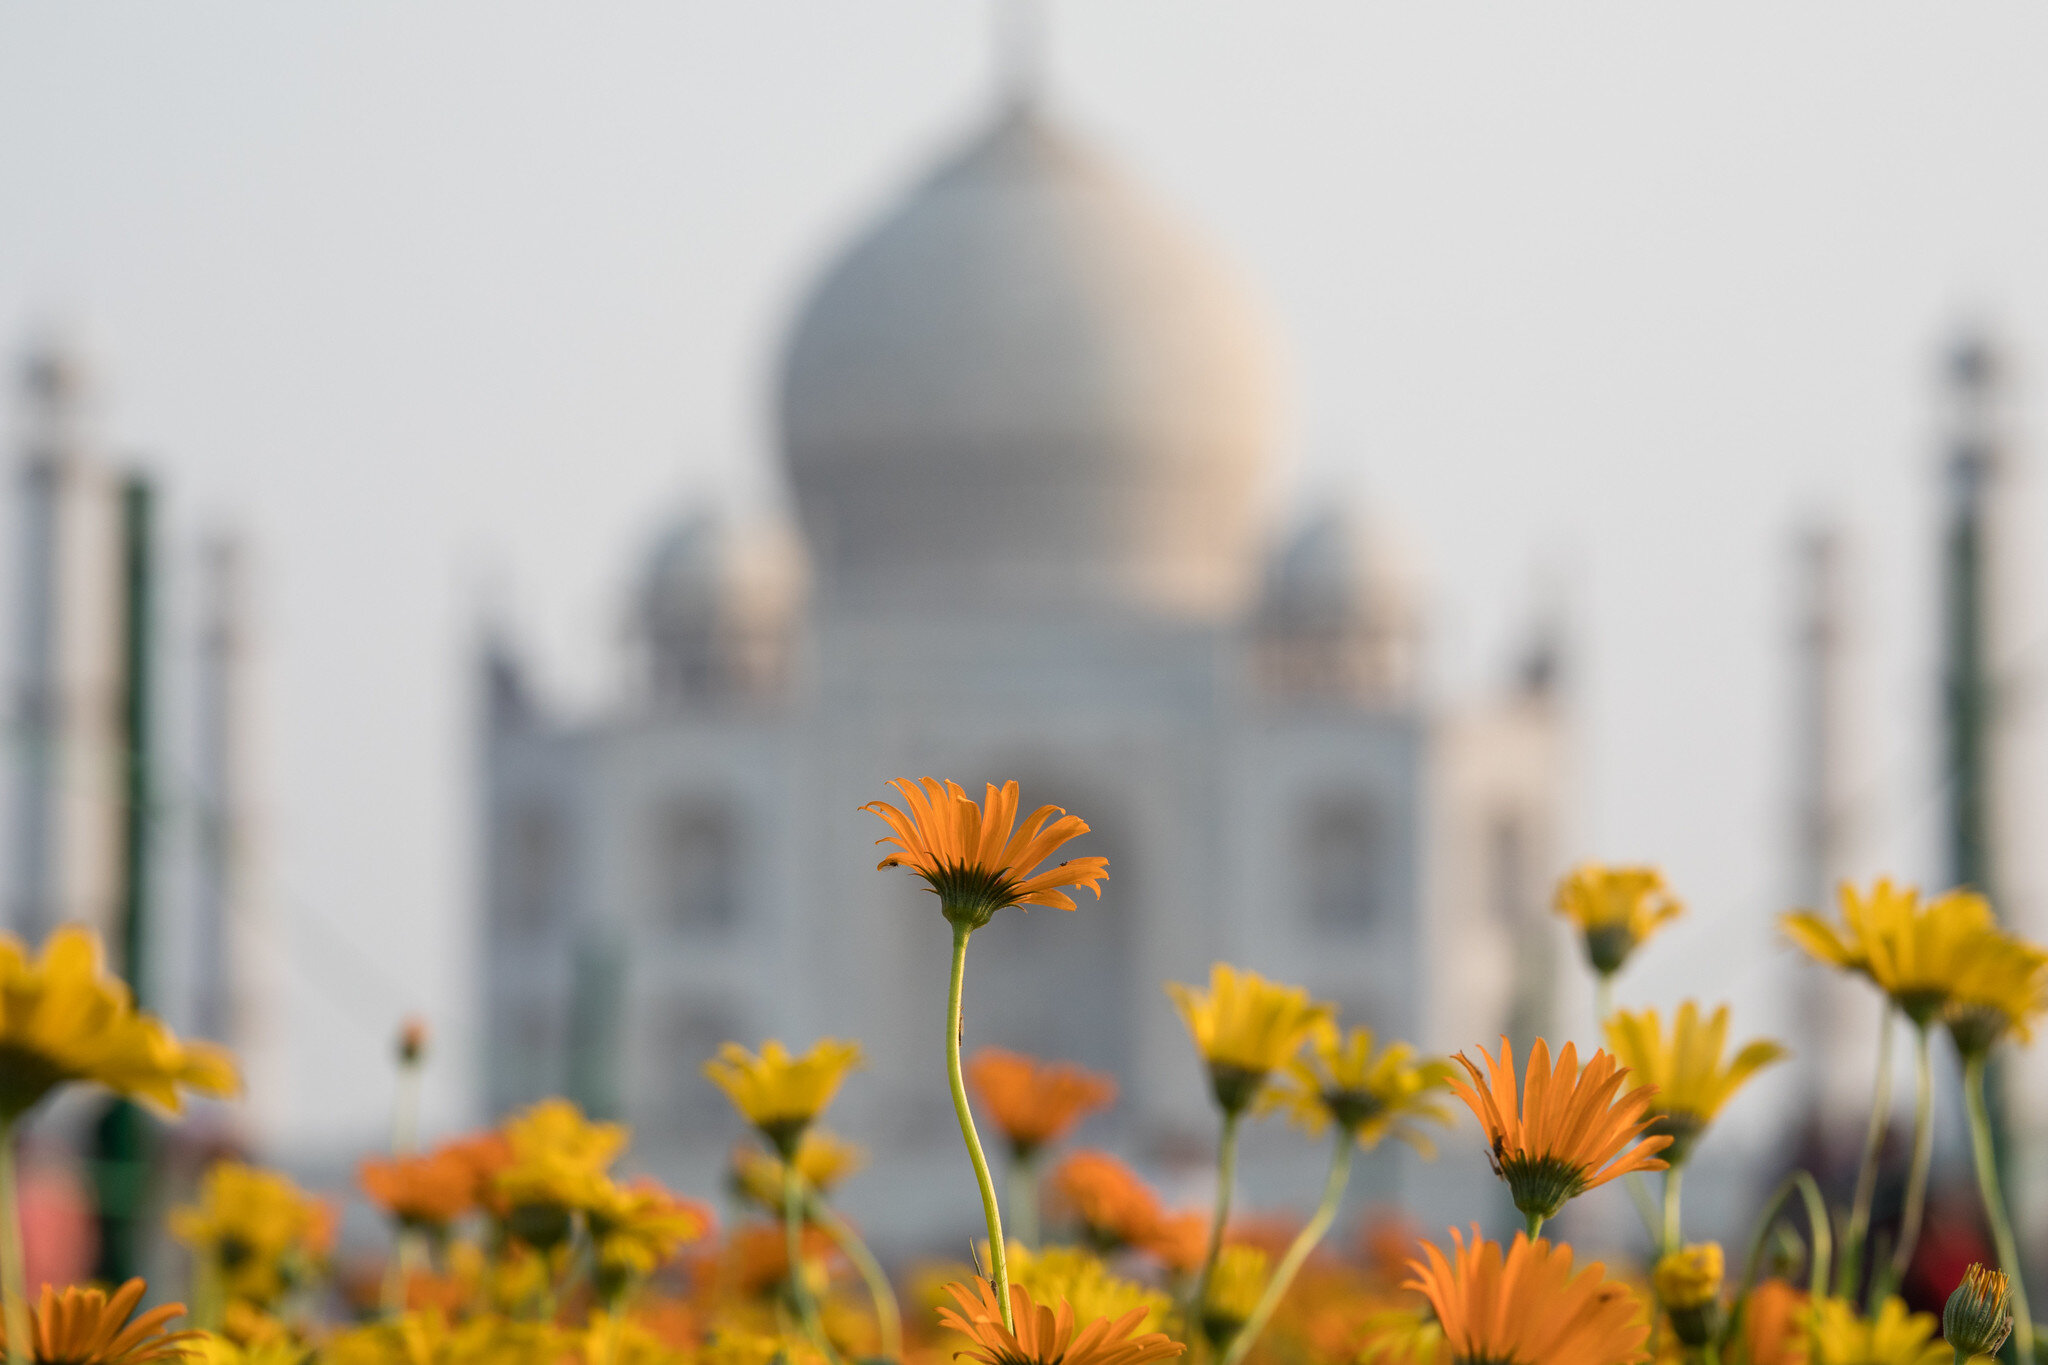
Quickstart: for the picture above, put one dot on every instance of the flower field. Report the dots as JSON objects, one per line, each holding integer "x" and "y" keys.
{"x": 524, "y": 1244}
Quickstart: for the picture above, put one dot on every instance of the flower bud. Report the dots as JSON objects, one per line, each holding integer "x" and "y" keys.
{"x": 1979, "y": 1314}
{"x": 1688, "y": 1284}
{"x": 412, "y": 1041}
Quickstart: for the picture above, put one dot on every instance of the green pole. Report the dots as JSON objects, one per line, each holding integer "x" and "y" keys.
{"x": 1969, "y": 693}
{"x": 121, "y": 1138}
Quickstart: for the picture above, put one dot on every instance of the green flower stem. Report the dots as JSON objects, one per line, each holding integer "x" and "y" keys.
{"x": 1851, "y": 1268}
{"x": 1535, "y": 1225}
{"x": 1023, "y": 1182}
{"x": 1646, "y": 1206}
{"x": 1804, "y": 1185}
{"x": 405, "y": 1110}
{"x": 999, "y": 1261}
{"x": 888, "y": 1313}
{"x": 1923, "y": 1161}
{"x": 793, "y": 1233}
{"x": 1297, "y": 1251}
{"x": 13, "y": 1262}
{"x": 1226, "y": 1178}
{"x": 1994, "y": 1203}
{"x": 404, "y": 1241}
{"x": 1674, "y": 1178}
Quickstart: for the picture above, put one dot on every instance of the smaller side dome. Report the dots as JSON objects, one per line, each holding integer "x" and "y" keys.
{"x": 716, "y": 611}
{"x": 1339, "y": 618}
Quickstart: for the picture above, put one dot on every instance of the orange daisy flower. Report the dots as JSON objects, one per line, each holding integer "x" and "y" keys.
{"x": 1047, "y": 1337}
{"x": 1527, "y": 1307}
{"x": 974, "y": 859}
{"x": 1178, "y": 1240}
{"x": 1116, "y": 1208}
{"x": 427, "y": 1192}
{"x": 1036, "y": 1102}
{"x": 1774, "y": 1325}
{"x": 1567, "y": 1132}
{"x": 87, "y": 1327}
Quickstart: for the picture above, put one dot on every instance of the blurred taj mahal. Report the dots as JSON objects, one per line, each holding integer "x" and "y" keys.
{"x": 1030, "y": 430}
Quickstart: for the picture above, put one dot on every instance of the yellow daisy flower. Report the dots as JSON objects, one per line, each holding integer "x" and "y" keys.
{"x": 428, "y": 1336}
{"x": 1689, "y": 1277}
{"x": 64, "y": 1018}
{"x": 1842, "y": 1336}
{"x": 1688, "y": 1285}
{"x": 264, "y": 1235}
{"x": 1686, "y": 1067}
{"x": 1081, "y": 1279}
{"x": 1401, "y": 1336}
{"x": 637, "y": 1228}
{"x": 557, "y": 1169}
{"x": 1616, "y": 908}
{"x": 778, "y": 1093}
{"x": 1998, "y": 992}
{"x": 1235, "y": 1287}
{"x": 1369, "y": 1091}
{"x": 1916, "y": 954}
{"x": 822, "y": 1159}
{"x": 973, "y": 858}
{"x": 1246, "y": 1027}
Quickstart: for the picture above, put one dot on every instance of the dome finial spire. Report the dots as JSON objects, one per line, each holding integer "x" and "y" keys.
{"x": 1021, "y": 32}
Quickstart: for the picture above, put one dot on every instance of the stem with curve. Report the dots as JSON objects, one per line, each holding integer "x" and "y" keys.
{"x": 1994, "y": 1203}
{"x": 1808, "y": 1189}
{"x": 1850, "y": 1270}
{"x": 1297, "y": 1251}
{"x": 793, "y": 1233}
{"x": 888, "y": 1313}
{"x": 999, "y": 1262}
{"x": 1923, "y": 1160}
{"x": 1226, "y": 1177}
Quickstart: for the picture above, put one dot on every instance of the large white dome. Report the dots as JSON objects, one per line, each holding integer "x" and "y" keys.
{"x": 1026, "y": 382}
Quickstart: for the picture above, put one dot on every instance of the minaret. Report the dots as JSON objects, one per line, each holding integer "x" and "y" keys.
{"x": 223, "y": 643}
{"x": 1828, "y": 1023}
{"x": 1968, "y": 700}
{"x": 67, "y": 795}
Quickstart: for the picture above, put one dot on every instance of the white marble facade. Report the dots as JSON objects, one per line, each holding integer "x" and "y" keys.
{"x": 1029, "y": 425}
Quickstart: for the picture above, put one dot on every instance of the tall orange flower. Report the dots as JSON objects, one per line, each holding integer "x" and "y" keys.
{"x": 427, "y": 1192}
{"x": 1567, "y": 1132}
{"x": 1044, "y": 1336}
{"x": 975, "y": 858}
{"x": 1036, "y": 1102}
{"x": 1527, "y": 1307}
{"x": 1116, "y": 1208}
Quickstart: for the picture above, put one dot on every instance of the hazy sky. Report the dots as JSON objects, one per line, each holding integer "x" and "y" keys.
{"x": 454, "y": 303}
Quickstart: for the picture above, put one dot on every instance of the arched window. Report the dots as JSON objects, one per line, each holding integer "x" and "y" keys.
{"x": 1347, "y": 862}
{"x": 535, "y": 867}
{"x": 696, "y": 865}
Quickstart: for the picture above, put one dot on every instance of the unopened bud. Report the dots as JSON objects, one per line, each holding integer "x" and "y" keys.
{"x": 412, "y": 1041}
{"x": 1688, "y": 1284}
{"x": 1979, "y": 1314}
